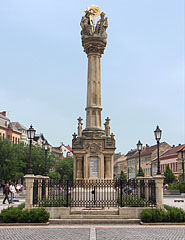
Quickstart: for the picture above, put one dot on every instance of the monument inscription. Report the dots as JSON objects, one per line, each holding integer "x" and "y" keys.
{"x": 94, "y": 167}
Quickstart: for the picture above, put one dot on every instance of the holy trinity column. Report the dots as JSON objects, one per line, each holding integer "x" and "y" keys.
{"x": 93, "y": 147}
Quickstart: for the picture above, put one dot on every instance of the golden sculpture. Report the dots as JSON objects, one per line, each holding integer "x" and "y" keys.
{"x": 94, "y": 11}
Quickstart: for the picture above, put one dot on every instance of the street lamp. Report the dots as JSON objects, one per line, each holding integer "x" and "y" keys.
{"x": 31, "y": 134}
{"x": 46, "y": 150}
{"x": 139, "y": 148}
{"x": 158, "y": 133}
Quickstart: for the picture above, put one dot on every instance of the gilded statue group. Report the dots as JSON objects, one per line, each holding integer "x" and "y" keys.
{"x": 88, "y": 27}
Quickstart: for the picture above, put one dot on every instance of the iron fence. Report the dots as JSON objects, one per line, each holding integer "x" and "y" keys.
{"x": 94, "y": 193}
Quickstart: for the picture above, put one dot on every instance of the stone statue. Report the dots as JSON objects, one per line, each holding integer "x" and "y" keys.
{"x": 87, "y": 24}
{"x": 107, "y": 126}
{"x": 102, "y": 25}
{"x": 80, "y": 126}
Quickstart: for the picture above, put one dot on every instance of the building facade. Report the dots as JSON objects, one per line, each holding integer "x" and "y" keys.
{"x": 173, "y": 158}
{"x": 8, "y": 130}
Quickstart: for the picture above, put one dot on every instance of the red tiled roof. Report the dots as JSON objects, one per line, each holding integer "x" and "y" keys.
{"x": 69, "y": 148}
{"x": 146, "y": 151}
{"x": 173, "y": 151}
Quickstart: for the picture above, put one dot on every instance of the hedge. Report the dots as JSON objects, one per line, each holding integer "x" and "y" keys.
{"x": 172, "y": 214}
{"x": 18, "y": 215}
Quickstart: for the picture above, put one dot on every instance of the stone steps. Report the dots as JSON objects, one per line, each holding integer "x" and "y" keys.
{"x": 94, "y": 221}
{"x": 93, "y": 217}
{"x": 93, "y": 211}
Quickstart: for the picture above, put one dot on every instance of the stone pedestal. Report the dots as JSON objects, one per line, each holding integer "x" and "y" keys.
{"x": 93, "y": 147}
{"x": 29, "y": 180}
{"x": 159, "y": 179}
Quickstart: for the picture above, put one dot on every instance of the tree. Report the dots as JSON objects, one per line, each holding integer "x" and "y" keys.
{"x": 122, "y": 177}
{"x": 169, "y": 175}
{"x": 14, "y": 160}
{"x": 142, "y": 173}
{"x": 65, "y": 168}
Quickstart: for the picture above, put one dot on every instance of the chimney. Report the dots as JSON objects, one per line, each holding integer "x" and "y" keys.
{"x": 3, "y": 113}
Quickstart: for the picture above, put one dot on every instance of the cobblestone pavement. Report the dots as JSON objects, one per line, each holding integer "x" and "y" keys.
{"x": 43, "y": 233}
{"x": 124, "y": 232}
{"x": 141, "y": 234}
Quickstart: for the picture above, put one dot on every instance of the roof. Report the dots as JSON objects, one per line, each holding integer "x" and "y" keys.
{"x": 173, "y": 151}
{"x": 131, "y": 153}
{"x": 147, "y": 150}
{"x": 5, "y": 118}
{"x": 69, "y": 148}
{"x": 19, "y": 126}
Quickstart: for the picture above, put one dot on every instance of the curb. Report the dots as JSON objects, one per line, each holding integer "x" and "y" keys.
{"x": 23, "y": 224}
{"x": 162, "y": 223}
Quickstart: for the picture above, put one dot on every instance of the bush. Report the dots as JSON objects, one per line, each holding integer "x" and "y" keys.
{"x": 21, "y": 206}
{"x": 146, "y": 215}
{"x": 39, "y": 215}
{"x": 178, "y": 186}
{"x": 18, "y": 215}
{"x": 173, "y": 214}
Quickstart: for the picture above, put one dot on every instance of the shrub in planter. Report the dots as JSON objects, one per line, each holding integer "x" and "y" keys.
{"x": 10, "y": 215}
{"x": 39, "y": 215}
{"x": 177, "y": 186}
{"x": 15, "y": 215}
{"x": 146, "y": 215}
{"x": 21, "y": 206}
{"x": 24, "y": 217}
{"x": 173, "y": 214}
{"x": 157, "y": 215}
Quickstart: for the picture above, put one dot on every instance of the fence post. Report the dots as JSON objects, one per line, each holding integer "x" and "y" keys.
{"x": 29, "y": 179}
{"x": 67, "y": 203}
{"x": 121, "y": 193}
{"x": 159, "y": 179}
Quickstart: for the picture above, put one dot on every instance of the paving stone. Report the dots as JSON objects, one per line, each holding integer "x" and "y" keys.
{"x": 44, "y": 234}
{"x": 141, "y": 234}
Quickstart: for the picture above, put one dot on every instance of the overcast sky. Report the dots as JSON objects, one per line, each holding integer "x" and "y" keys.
{"x": 43, "y": 69}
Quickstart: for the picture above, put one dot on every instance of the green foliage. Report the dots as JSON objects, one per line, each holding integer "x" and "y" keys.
{"x": 172, "y": 214}
{"x": 38, "y": 215}
{"x": 65, "y": 168}
{"x": 177, "y": 186}
{"x": 10, "y": 215}
{"x": 142, "y": 173}
{"x": 18, "y": 215}
{"x": 14, "y": 160}
{"x": 132, "y": 201}
{"x": 122, "y": 177}
{"x": 54, "y": 175}
{"x": 21, "y": 206}
{"x": 169, "y": 175}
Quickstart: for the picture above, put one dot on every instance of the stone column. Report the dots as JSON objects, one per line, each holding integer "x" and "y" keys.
{"x": 107, "y": 167}
{"x": 159, "y": 179}
{"x": 79, "y": 167}
{"x": 94, "y": 48}
{"x": 29, "y": 179}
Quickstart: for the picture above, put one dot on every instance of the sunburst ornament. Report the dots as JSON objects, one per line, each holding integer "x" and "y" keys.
{"x": 94, "y": 11}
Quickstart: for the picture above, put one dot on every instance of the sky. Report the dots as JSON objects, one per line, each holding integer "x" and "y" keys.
{"x": 43, "y": 69}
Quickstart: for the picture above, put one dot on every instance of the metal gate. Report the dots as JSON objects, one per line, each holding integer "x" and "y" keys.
{"x": 94, "y": 193}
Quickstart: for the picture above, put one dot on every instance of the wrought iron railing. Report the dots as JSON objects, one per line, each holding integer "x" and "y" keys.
{"x": 94, "y": 193}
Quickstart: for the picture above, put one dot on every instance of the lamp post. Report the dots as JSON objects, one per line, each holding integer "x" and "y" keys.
{"x": 31, "y": 134}
{"x": 45, "y": 162}
{"x": 139, "y": 148}
{"x": 158, "y": 133}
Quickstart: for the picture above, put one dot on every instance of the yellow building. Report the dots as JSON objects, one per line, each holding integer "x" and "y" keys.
{"x": 7, "y": 130}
